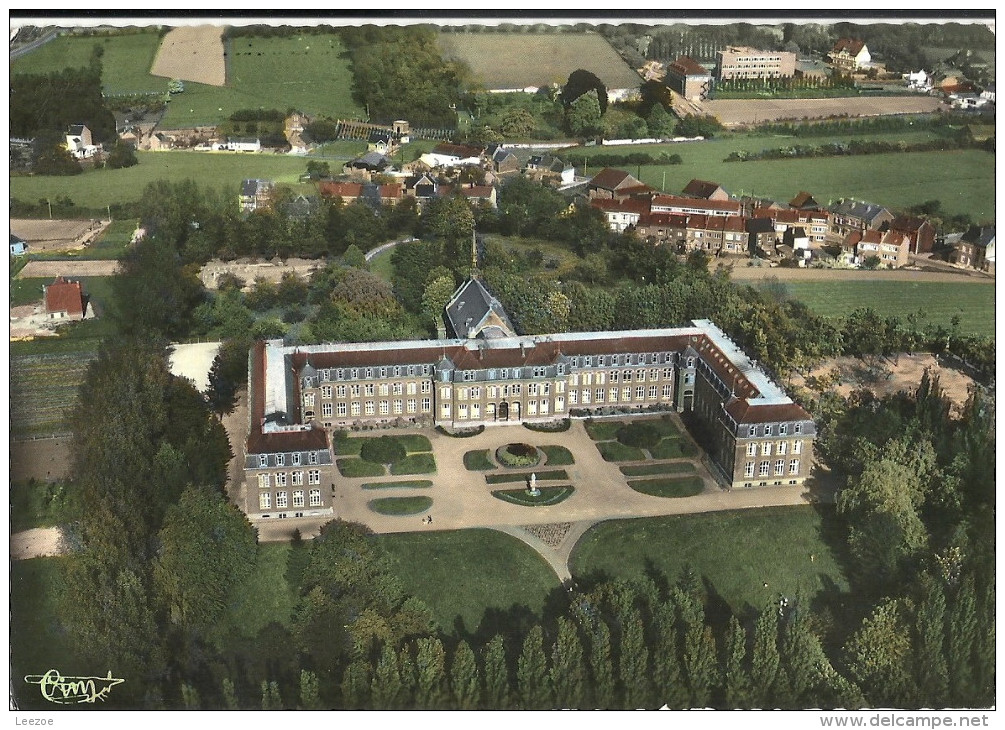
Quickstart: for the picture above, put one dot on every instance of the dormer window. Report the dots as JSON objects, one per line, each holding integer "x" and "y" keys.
{"x": 783, "y": 429}
{"x": 295, "y": 458}
{"x": 369, "y": 373}
{"x": 798, "y": 428}
{"x": 690, "y": 362}
{"x": 263, "y": 460}
{"x": 752, "y": 431}
{"x": 280, "y": 459}
{"x": 312, "y": 457}
{"x": 767, "y": 430}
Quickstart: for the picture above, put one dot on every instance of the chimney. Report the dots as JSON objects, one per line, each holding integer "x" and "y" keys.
{"x": 523, "y": 350}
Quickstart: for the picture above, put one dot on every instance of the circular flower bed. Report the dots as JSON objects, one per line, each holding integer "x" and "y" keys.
{"x": 518, "y": 455}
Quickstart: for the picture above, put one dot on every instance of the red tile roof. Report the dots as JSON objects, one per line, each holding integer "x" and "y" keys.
{"x": 331, "y": 189}
{"x": 64, "y": 296}
{"x": 610, "y": 178}
{"x": 687, "y": 66}
{"x": 803, "y": 198}
{"x": 468, "y": 191}
{"x": 457, "y": 150}
{"x": 668, "y": 220}
{"x": 390, "y": 190}
{"x": 852, "y": 46}
{"x": 609, "y": 205}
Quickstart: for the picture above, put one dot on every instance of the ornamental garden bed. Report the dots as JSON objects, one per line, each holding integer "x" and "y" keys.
{"x": 478, "y": 460}
{"x": 668, "y": 487}
{"x": 354, "y": 467}
{"x": 413, "y": 484}
{"x": 642, "y": 470}
{"x": 400, "y": 505}
{"x": 614, "y": 451}
{"x": 518, "y": 455}
{"x": 557, "y": 427}
{"x": 372, "y": 456}
{"x": 548, "y": 496}
{"x": 414, "y": 464}
{"x": 506, "y": 477}
{"x": 557, "y": 455}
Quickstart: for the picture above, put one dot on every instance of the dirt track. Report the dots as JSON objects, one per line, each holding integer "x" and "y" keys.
{"x": 735, "y": 112}
{"x": 45, "y": 235}
{"x": 192, "y": 53}
{"x": 40, "y": 459}
{"x": 73, "y": 269}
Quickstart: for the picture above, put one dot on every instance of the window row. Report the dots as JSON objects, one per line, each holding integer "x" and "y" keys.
{"x": 390, "y": 371}
{"x": 768, "y": 429}
{"x": 280, "y": 459}
{"x": 296, "y": 478}
{"x": 780, "y": 448}
{"x": 764, "y": 469}
{"x": 640, "y": 358}
{"x": 282, "y": 501}
{"x": 615, "y": 395}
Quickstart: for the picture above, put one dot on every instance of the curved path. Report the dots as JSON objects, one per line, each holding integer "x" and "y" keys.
{"x": 374, "y": 252}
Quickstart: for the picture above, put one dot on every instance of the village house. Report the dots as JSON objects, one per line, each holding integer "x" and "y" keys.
{"x": 549, "y": 170}
{"x": 847, "y": 216}
{"x": 804, "y": 201}
{"x": 65, "y": 300}
{"x": 890, "y": 247}
{"x": 814, "y": 222}
{"x": 423, "y": 187}
{"x": 79, "y": 142}
{"x": 989, "y": 93}
{"x": 615, "y": 184}
{"x": 919, "y": 232}
{"x": 621, "y": 214}
{"x": 962, "y": 252}
{"x": 796, "y": 242}
{"x": 367, "y": 165}
{"x": 382, "y": 142}
{"x": 370, "y": 193}
{"x": 475, "y": 194}
{"x": 503, "y": 161}
{"x": 743, "y": 62}
{"x": 849, "y": 55}
{"x": 447, "y": 154}
{"x": 18, "y": 246}
{"x": 239, "y": 144}
{"x": 975, "y": 248}
{"x": 705, "y": 190}
{"x": 756, "y": 434}
{"x": 255, "y": 194}
{"x": 761, "y": 236}
{"x": 716, "y": 235}
{"x": 689, "y": 79}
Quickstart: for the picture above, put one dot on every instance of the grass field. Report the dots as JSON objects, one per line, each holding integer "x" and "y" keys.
{"x": 125, "y": 64}
{"x": 414, "y": 484}
{"x": 780, "y": 546}
{"x": 974, "y": 303}
{"x": 461, "y": 574}
{"x": 98, "y": 188}
{"x": 307, "y": 73}
{"x": 519, "y": 60}
{"x": 26, "y": 291}
{"x": 557, "y": 456}
{"x": 963, "y": 180}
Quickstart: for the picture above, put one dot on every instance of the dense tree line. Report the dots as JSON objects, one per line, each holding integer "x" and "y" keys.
{"x": 902, "y": 123}
{"x": 399, "y": 73}
{"x": 856, "y": 147}
{"x": 47, "y": 104}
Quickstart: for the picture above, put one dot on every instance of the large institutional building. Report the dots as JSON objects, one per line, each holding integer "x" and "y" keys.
{"x": 487, "y": 375}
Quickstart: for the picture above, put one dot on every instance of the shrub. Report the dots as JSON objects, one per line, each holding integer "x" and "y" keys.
{"x": 461, "y": 433}
{"x": 518, "y": 455}
{"x": 414, "y": 464}
{"x": 382, "y": 450}
{"x": 556, "y": 427}
{"x": 641, "y": 434}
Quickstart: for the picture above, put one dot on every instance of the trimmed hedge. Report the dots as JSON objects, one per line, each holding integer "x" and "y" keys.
{"x": 556, "y": 427}
{"x": 356, "y": 467}
{"x": 518, "y": 455}
{"x": 463, "y": 434}
{"x": 400, "y": 505}
{"x": 614, "y": 451}
{"x": 548, "y": 496}
{"x": 414, "y": 464}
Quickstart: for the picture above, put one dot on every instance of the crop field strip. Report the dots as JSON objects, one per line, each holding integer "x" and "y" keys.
{"x": 974, "y": 303}
{"x": 44, "y": 391}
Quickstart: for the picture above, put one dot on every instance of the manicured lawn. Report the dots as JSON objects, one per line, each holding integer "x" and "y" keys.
{"x": 557, "y": 455}
{"x": 672, "y": 448}
{"x": 358, "y": 468}
{"x": 40, "y": 504}
{"x": 98, "y": 188}
{"x": 347, "y": 447}
{"x": 478, "y": 460}
{"x": 400, "y": 505}
{"x": 412, "y": 443}
{"x": 114, "y": 242}
{"x": 679, "y": 487}
{"x": 307, "y": 73}
{"x": 125, "y": 64}
{"x": 38, "y": 642}
{"x": 462, "y": 574}
{"x": 414, "y": 464}
{"x": 614, "y": 451}
{"x": 414, "y": 484}
{"x": 974, "y": 303}
{"x": 547, "y": 497}
{"x": 507, "y": 477}
{"x": 642, "y": 470}
{"x": 603, "y": 430}
{"x": 780, "y": 546}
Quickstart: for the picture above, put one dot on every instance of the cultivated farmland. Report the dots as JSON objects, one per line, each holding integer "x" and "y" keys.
{"x": 125, "y": 61}
{"x": 519, "y": 60}
{"x": 192, "y": 53}
{"x": 44, "y": 390}
{"x": 309, "y": 73}
{"x": 939, "y": 302}
{"x": 734, "y": 112}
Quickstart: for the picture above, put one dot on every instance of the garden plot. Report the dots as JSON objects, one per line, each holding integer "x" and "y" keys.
{"x": 44, "y": 391}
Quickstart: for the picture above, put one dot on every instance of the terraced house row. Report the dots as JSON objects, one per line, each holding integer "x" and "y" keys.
{"x": 486, "y": 375}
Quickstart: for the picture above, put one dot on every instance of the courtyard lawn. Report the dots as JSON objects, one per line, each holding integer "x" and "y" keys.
{"x": 615, "y": 451}
{"x": 643, "y": 470}
{"x": 414, "y": 464}
{"x": 98, "y": 188}
{"x": 672, "y": 448}
{"x": 669, "y": 487}
{"x": 780, "y": 546}
{"x": 974, "y": 303}
{"x": 462, "y": 574}
{"x": 125, "y": 62}
{"x": 547, "y": 497}
{"x": 557, "y": 456}
{"x": 478, "y": 460}
{"x": 26, "y": 291}
{"x": 603, "y": 430}
{"x": 354, "y": 468}
{"x": 400, "y": 505}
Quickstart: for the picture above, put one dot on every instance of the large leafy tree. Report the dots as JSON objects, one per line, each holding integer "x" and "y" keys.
{"x": 582, "y": 82}
{"x": 583, "y": 117}
{"x": 207, "y": 548}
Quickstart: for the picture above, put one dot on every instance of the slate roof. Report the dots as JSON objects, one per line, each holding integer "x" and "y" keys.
{"x": 251, "y": 188}
{"x": 371, "y": 161}
{"x": 866, "y": 211}
{"x": 76, "y": 130}
{"x": 470, "y": 306}
{"x": 760, "y": 225}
